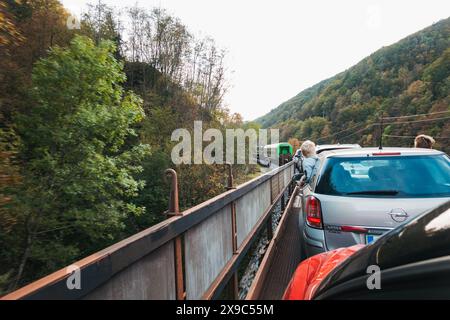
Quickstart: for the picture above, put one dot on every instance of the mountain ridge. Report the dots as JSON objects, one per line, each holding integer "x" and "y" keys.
{"x": 408, "y": 77}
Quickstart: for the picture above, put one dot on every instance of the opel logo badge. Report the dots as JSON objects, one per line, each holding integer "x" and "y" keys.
{"x": 398, "y": 215}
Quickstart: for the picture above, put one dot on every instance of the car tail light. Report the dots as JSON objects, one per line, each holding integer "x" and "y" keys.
{"x": 313, "y": 212}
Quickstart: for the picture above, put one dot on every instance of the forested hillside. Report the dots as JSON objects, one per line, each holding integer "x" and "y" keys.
{"x": 86, "y": 119}
{"x": 409, "y": 77}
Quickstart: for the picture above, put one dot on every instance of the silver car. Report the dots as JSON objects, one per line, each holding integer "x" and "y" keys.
{"x": 357, "y": 195}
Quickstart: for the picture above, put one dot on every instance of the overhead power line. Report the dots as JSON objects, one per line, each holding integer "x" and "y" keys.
{"x": 410, "y": 137}
{"x": 416, "y": 115}
{"x": 417, "y": 121}
{"x": 393, "y": 123}
{"x": 369, "y": 125}
{"x": 359, "y": 131}
{"x": 345, "y": 130}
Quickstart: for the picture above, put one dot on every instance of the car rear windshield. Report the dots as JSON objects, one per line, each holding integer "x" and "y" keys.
{"x": 386, "y": 176}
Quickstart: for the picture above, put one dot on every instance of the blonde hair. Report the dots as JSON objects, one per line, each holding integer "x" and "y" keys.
{"x": 308, "y": 148}
{"x": 423, "y": 141}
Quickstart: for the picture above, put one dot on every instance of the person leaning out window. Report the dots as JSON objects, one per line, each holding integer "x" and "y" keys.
{"x": 310, "y": 159}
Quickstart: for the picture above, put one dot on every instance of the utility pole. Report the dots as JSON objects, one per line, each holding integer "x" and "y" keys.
{"x": 381, "y": 132}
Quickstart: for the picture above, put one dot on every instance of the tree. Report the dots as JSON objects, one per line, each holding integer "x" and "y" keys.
{"x": 295, "y": 143}
{"x": 44, "y": 24}
{"x": 101, "y": 22}
{"x": 27, "y": 30}
{"x": 313, "y": 127}
{"x": 9, "y": 34}
{"x": 10, "y": 38}
{"x": 438, "y": 74}
{"x": 71, "y": 189}
{"x": 79, "y": 170}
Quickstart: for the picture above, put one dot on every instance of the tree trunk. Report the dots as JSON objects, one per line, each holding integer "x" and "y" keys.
{"x": 24, "y": 259}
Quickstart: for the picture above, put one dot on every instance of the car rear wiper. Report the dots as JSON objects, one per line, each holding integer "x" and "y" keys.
{"x": 376, "y": 192}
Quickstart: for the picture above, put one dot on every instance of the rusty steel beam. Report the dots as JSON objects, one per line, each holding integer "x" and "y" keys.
{"x": 234, "y": 227}
{"x": 230, "y": 186}
{"x": 174, "y": 208}
{"x": 271, "y": 190}
{"x": 230, "y": 180}
{"x": 179, "y": 277}
{"x": 235, "y": 249}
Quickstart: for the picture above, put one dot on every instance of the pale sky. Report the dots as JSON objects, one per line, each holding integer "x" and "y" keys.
{"x": 278, "y": 48}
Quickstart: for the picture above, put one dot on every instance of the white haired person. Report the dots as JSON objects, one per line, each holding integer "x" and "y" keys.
{"x": 424, "y": 141}
{"x": 310, "y": 159}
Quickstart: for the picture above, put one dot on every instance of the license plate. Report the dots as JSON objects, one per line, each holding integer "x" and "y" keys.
{"x": 371, "y": 238}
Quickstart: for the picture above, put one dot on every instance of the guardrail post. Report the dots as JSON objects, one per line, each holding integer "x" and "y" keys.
{"x": 174, "y": 210}
{"x": 230, "y": 186}
{"x": 235, "y": 278}
{"x": 230, "y": 180}
{"x": 269, "y": 221}
{"x": 271, "y": 190}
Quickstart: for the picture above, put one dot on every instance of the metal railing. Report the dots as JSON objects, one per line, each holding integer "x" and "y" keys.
{"x": 191, "y": 255}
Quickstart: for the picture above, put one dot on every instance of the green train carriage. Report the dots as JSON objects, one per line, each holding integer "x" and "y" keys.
{"x": 277, "y": 153}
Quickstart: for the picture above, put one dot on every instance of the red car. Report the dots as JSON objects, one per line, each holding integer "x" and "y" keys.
{"x": 413, "y": 260}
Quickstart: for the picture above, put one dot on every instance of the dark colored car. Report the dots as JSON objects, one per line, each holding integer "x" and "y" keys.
{"x": 413, "y": 262}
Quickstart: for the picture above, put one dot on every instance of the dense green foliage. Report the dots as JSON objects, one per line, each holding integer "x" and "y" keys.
{"x": 78, "y": 171}
{"x": 85, "y": 129}
{"x": 407, "y": 78}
